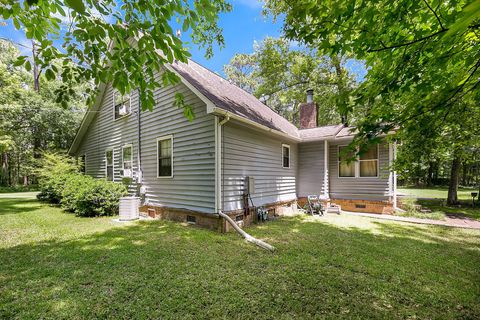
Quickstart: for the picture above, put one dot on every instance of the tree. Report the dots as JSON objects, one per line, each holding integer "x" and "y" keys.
{"x": 31, "y": 121}
{"x": 96, "y": 39}
{"x": 422, "y": 57}
{"x": 279, "y": 74}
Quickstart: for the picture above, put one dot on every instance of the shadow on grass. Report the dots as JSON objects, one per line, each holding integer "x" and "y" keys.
{"x": 167, "y": 270}
{"x": 13, "y": 205}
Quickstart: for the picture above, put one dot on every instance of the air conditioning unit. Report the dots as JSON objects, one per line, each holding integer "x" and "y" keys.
{"x": 123, "y": 110}
{"x": 128, "y": 209}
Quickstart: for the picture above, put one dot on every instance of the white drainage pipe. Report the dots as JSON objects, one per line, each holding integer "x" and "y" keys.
{"x": 247, "y": 237}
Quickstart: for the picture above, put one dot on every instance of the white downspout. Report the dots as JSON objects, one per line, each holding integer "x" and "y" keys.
{"x": 326, "y": 189}
{"x": 218, "y": 162}
{"x": 218, "y": 186}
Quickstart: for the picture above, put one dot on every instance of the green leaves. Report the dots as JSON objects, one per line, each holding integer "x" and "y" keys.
{"x": 76, "y": 5}
{"x": 98, "y": 41}
{"x": 187, "y": 109}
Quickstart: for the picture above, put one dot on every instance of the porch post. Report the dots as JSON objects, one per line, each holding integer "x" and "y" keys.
{"x": 392, "y": 181}
{"x": 326, "y": 189}
{"x": 394, "y": 176}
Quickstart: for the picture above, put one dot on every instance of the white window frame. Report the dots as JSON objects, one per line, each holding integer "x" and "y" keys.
{"x": 113, "y": 164}
{"x": 378, "y": 164}
{"x": 115, "y": 92}
{"x": 357, "y": 164}
{"x": 167, "y": 137}
{"x": 355, "y": 169}
{"x": 129, "y": 145}
{"x": 289, "y": 155}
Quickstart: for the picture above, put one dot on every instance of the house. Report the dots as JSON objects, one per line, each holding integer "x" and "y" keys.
{"x": 189, "y": 171}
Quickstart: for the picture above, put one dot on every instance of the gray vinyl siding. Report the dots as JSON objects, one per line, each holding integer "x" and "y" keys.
{"x": 359, "y": 188}
{"x": 105, "y": 132}
{"x": 250, "y": 153}
{"x": 310, "y": 168}
{"x": 193, "y": 183}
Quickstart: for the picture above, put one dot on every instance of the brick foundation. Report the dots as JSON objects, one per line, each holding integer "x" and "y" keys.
{"x": 382, "y": 207}
{"x": 371, "y": 206}
{"x": 212, "y": 221}
{"x": 205, "y": 220}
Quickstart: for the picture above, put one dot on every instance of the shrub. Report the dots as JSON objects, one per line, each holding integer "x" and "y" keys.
{"x": 61, "y": 182}
{"x": 89, "y": 197}
{"x": 52, "y": 174}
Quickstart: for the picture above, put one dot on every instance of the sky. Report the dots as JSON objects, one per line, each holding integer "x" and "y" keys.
{"x": 244, "y": 25}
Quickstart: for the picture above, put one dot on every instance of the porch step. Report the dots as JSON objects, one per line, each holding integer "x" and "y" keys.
{"x": 333, "y": 208}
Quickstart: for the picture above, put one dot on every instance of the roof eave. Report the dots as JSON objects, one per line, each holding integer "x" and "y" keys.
{"x": 222, "y": 112}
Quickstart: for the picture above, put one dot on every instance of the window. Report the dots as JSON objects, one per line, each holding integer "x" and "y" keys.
{"x": 109, "y": 164}
{"x": 285, "y": 155}
{"x": 83, "y": 165}
{"x": 121, "y": 105}
{"x": 165, "y": 157}
{"x": 365, "y": 166}
{"x": 369, "y": 162}
{"x": 127, "y": 160}
{"x": 346, "y": 166}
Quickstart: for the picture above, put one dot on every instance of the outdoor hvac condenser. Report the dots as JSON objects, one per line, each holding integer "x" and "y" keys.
{"x": 129, "y": 208}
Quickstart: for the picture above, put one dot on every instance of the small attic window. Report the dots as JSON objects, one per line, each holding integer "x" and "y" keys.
{"x": 121, "y": 105}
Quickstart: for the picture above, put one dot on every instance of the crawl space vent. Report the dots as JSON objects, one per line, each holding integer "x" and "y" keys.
{"x": 192, "y": 219}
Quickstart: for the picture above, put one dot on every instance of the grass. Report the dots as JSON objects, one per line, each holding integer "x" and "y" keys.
{"x": 435, "y": 200}
{"x": 56, "y": 265}
{"x": 436, "y": 192}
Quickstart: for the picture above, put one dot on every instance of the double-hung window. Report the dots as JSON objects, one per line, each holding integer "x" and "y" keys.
{"x": 364, "y": 166}
{"x": 127, "y": 161}
{"x": 121, "y": 105}
{"x": 346, "y": 166}
{"x": 285, "y": 156}
{"x": 109, "y": 164}
{"x": 369, "y": 162}
{"x": 165, "y": 157}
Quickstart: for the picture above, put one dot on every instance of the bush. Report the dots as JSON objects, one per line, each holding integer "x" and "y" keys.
{"x": 89, "y": 197}
{"x": 52, "y": 174}
{"x": 61, "y": 182}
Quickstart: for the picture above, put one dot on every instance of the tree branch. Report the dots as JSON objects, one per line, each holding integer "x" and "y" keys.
{"x": 435, "y": 13}
{"x": 408, "y": 43}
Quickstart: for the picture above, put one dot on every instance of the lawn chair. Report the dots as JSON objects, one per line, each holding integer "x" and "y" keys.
{"x": 314, "y": 206}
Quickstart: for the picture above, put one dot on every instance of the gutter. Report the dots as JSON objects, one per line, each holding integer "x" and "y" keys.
{"x": 229, "y": 115}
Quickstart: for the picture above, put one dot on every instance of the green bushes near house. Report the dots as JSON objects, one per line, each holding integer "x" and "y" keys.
{"x": 61, "y": 182}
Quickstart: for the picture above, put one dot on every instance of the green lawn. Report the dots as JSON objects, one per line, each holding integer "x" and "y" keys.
{"x": 56, "y": 265}
{"x": 435, "y": 200}
{"x": 436, "y": 192}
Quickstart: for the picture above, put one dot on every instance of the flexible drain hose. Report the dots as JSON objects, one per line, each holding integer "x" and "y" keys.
{"x": 247, "y": 237}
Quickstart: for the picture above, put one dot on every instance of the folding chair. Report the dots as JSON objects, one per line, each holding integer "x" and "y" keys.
{"x": 314, "y": 206}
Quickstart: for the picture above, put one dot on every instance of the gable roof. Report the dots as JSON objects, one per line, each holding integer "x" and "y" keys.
{"x": 231, "y": 98}
{"x": 222, "y": 94}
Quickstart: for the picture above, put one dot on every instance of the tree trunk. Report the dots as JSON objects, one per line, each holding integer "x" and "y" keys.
{"x": 452, "y": 197}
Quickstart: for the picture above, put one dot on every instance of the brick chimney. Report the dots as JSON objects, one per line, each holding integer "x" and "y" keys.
{"x": 308, "y": 112}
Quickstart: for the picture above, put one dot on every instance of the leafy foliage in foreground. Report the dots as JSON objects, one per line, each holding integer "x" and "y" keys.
{"x": 95, "y": 38}
{"x": 61, "y": 182}
{"x": 57, "y": 266}
{"x": 423, "y": 69}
